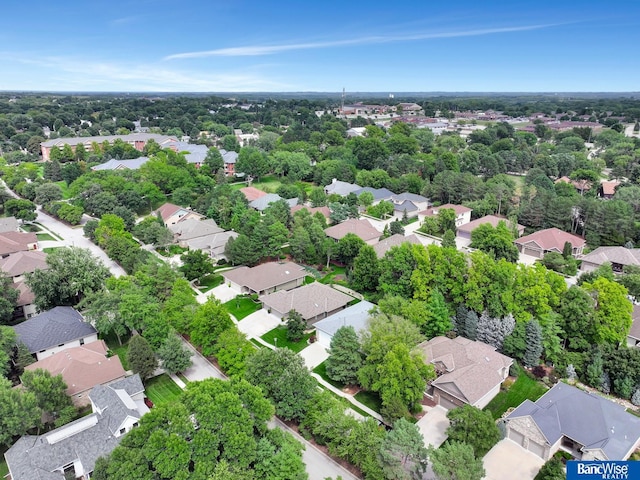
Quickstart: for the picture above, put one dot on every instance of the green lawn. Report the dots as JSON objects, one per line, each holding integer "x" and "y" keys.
{"x": 335, "y": 271}
{"x": 309, "y": 279}
{"x": 4, "y": 470}
{"x": 370, "y": 399}
{"x": 45, "y": 236}
{"x": 162, "y": 389}
{"x": 523, "y": 388}
{"x": 208, "y": 282}
{"x": 117, "y": 349}
{"x": 66, "y": 195}
{"x": 241, "y": 307}
{"x": 51, "y": 249}
{"x": 322, "y": 371}
{"x": 31, "y": 227}
{"x": 278, "y": 338}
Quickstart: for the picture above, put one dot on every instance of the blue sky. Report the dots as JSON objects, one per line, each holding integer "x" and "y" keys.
{"x": 374, "y": 46}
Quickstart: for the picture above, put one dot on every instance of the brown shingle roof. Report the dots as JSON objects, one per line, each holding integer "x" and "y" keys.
{"x": 471, "y": 368}
{"x": 490, "y": 219}
{"x": 383, "y": 246}
{"x": 360, "y": 227}
{"x": 312, "y": 210}
{"x": 11, "y": 242}
{"x": 20, "y": 263}
{"x": 310, "y": 301}
{"x": 552, "y": 238}
{"x": 634, "y": 332}
{"x": 433, "y": 211}
{"x": 265, "y": 276}
{"x": 252, "y": 193}
{"x": 82, "y": 368}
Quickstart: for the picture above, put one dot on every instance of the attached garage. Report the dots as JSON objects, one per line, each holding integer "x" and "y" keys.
{"x": 537, "y": 449}
{"x": 517, "y": 437}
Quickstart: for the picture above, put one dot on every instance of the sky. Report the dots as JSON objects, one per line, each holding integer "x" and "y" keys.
{"x": 323, "y": 45}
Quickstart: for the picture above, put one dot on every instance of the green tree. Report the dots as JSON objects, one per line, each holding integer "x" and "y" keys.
{"x": 474, "y": 427}
{"x": 456, "y": 461}
{"x": 366, "y": 270}
{"x": 72, "y": 274}
{"x": 498, "y": 241}
{"x": 296, "y": 326}
{"x": 196, "y": 264}
{"x": 449, "y": 239}
{"x": 345, "y": 358}
{"x": 47, "y": 193}
{"x": 284, "y": 379}
{"x": 209, "y": 321}
{"x": 50, "y": 391}
{"x": 18, "y": 412}
{"x": 141, "y": 358}
{"x": 613, "y": 310}
{"x": 8, "y": 298}
{"x": 232, "y": 352}
{"x": 553, "y": 469}
{"x": 438, "y": 320}
{"x": 402, "y": 453}
{"x": 175, "y": 357}
{"x": 252, "y": 162}
{"x": 71, "y": 214}
{"x": 533, "y": 351}
{"x": 24, "y": 210}
{"x": 8, "y": 339}
{"x": 447, "y": 219}
{"x": 214, "y": 160}
{"x": 348, "y": 248}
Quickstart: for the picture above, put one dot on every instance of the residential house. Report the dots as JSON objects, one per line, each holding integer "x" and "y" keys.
{"x": 409, "y": 108}
{"x": 584, "y": 424}
{"x": 356, "y": 132}
{"x": 384, "y": 245}
{"x": 136, "y": 140}
{"x": 411, "y": 201}
{"x": 464, "y": 231}
{"x": 16, "y": 265}
{"x": 172, "y": 214}
{"x": 230, "y": 158}
{"x": 633, "y": 337}
{"x": 9, "y": 224}
{"x": 313, "y": 301}
{"x": 549, "y": 240}
{"x": 193, "y": 228}
{"x": 379, "y": 194}
{"x": 55, "y": 330}
{"x": 324, "y": 211}
{"x": 265, "y": 278}
{"x": 608, "y": 188}
{"x": 82, "y": 368}
{"x": 580, "y": 185}
{"x": 360, "y": 227}
{"x": 618, "y": 257}
{"x": 194, "y": 154}
{"x": 463, "y": 214}
{"x": 252, "y": 193}
{"x": 341, "y": 188}
{"x": 262, "y": 203}
{"x": 72, "y": 450}
{"x": 355, "y": 316}
{"x": 468, "y": 371}
{"x": 114, "y": 164}
{"x": 214, "y": 245}
{"x": 13, "y": 242}
{"x": 26, "y": 303}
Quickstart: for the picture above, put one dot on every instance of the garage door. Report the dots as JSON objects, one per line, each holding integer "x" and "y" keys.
{"x": 532, "y": 251}
{"x": 446, "y": 403}
{"x": 516, "y": 437}
{"x": 536, "y": 448}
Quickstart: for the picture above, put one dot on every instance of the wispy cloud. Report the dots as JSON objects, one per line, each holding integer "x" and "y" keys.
{"x": 257, "y": 50}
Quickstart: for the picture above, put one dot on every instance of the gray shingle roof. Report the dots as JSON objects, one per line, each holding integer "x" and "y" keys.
{"x": 355, "y": 316}
{"x": 263, "y": 202}
{"x": 341, "y": 188}
{"x": 310, "y": 301}
{"x": 383, "y": 246}
{"x": 133, "y": 137}
{"x": 53, "y": 327}
{"x": 114, "y": 164}
{"x": 593, "y": 421}
{"x": 619, "y": 255}
{"x": 411, "y": 197}
{"x": 378, "y": 193}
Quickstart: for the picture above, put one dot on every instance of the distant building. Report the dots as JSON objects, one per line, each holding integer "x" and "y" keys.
{"x": 360, "y": 227}
{"x": 463, "y": 214}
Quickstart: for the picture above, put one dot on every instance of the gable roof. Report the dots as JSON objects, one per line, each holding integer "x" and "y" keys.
{"x": 592, "y": 420}
{"x": 378, "y": 193}
{"x": 360, "y": 227}
{"x": 11, "y": 242}
{"x": 265, "y": 276}
{"x": 309, "y": 300}
{"x": 252, "y": 193}
{"x": 26, "y": 296}
{"x": 263, "y": 202}
{"x": 634, "y": 331}
{"x": 229, "y": 156}
{"x": 82, "y": 367}
{"x": 86, "y": 439}
{"x": 383, "y": 246}
{"x": 469, "y": 369}
{"x": 609, "y": 186}
{"x": 411, "y": 197}
{"x": 20, "y": 263}
{"x": 53, "y": 327}
{"x": 193, "y": 153}
{"x": 169, "y": 210}
{"x": 215, "y": 242}
{"x": 129, "y": 138}
{"x": 552, "y": 238}
{"x": 405, "y": 206}
{"x": 492, "y": 220}
{"x": 114, "y": 164}
{"x": 341, "y": 188}
{"x": 194, "y": 228}
{"x": 620, "y": 255}
{"x": 433, "y": 211}
{"x": 355, "y": 316}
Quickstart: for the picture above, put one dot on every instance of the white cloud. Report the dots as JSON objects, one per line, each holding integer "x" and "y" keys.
{"x": 256, "y": 50}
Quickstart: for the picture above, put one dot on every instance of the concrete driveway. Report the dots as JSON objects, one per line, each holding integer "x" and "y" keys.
{"x": 314, "y": 355}
{"x": 223, "y": 292}
{"x": 509, "y": 460}
{"x": 433, "y": 426}
{"x": 258, "y": 323}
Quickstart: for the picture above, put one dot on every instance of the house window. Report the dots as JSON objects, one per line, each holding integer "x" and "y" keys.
{"x": 61, "y": 345}
{"x": 82, "y": 341}
{"x": 122, "y": 430}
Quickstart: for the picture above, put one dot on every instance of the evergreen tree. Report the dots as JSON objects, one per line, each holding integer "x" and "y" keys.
{"x": 296, "y": 326}
{"x": 471, "y": 325}
{"x": 141, "y": 358}
{"x": 605, "y": 383}
{"x": 403, "y": 455}
{"x": 571, "y": 373}
{"x": 533, "y": 351}
{"x": 493, "y": 331}
{"x": 459, "y": 320}
{"x": 345, "y": 358}
{"x": 366, "y": 270}
{"x": 635, "y": 398}
{"x": 438, "y": 320}
{"x": 593, "y": 374}
{"x": 175, "y": 357}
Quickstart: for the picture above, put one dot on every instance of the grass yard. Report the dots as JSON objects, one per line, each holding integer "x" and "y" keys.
{"x": 241, "y": 307}
{"x": 51, "y": 249}
{"x": 309, "y": 279}
{"x": 278, "y": 338}
{"x": 117, "y": 349}
{"x": 322, "y": 371}
{"x": 162, "y": 389}
{"x": 370, "y": 399}
{"x": 208, "y": 282}
{"x": 335, "y": 272}
{"x": 45, "y": 237}
{"x": 4, "y": 470}
{"x": 66, "y": 194}
{"x": 523, "y": 388}
{"x": 30, "y": 227}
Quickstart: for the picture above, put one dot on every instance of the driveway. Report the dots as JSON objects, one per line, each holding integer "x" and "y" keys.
{"x": 258, "y": 323}
{"x": 433, "y": 426}
{"x": 223, "y": 292}
{"x": 509, "y": 460}
{"x": 314, "y": 355}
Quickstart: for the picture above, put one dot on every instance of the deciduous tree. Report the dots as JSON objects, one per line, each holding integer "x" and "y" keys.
{"x": 175, "y": 357}
{"x": 403, "y": 455}
{"x": 456, "y": 461}
{"x": 474, "y": 427}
